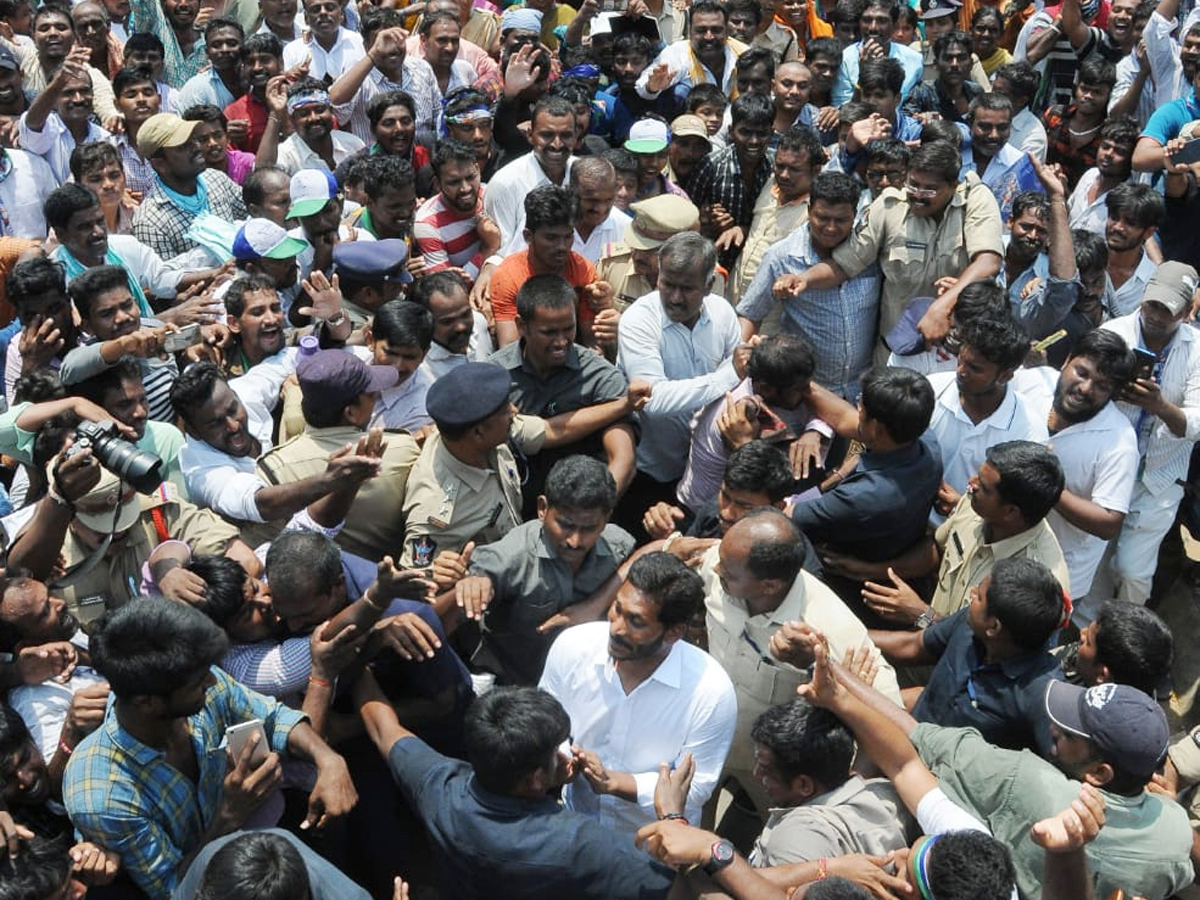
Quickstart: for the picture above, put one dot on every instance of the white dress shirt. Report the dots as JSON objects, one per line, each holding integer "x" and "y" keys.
{"x": 259, "y": 391}
{"x": 504, "y": 199}
{"x": 23, "y": 193}
{"x": 346, "y": 51}
{"x": 1124, "y": 300}
{"x": 1028, "y": 134}
{"x": 687, "y": 705}
{"x": 295, "y": 154}
{"x": 1091, "y": 216}
{"x": 54, "y": 143}
{"x": 223, "y": 483}
{"x": 687, "y": 367}
{"x": 439, "y": 360}
{"x": 610, "y": 231}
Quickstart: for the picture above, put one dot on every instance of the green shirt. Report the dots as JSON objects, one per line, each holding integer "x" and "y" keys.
{"x": 1144, "y": 847}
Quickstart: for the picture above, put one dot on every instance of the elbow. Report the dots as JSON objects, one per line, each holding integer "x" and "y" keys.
{"x": 1110, "y": 526}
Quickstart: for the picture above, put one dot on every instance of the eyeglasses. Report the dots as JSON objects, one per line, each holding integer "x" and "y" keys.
{"x": 895, "y": 176}
{"x": 920, "y": 191}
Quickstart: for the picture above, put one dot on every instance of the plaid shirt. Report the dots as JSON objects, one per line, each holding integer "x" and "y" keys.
{"x": 139, "y": 174}
{"x": 162, "y": 226}
{"x": 718, "y": 179}
{"x": 1075, "y": 161}
{"x": 125, "y": 797}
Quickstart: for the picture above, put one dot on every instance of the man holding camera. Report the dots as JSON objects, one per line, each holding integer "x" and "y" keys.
{"x": 99, "y": 531}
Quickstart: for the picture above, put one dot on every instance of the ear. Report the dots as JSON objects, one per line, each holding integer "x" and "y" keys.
{"x": 1103, "y": 675}
{"x": 528, "y": 235}
{"x": 804, "y": 786}
{"x": 1099, "y": 774}
{"x": 542, "y": 506}
{"x": 232, "y": 323}
{"x": 1006, "y": 376}
{"x": 674, "y": 633}
{"x": 773, "y": 586}
{"x": 518, "y": 321}
{"x": 369, "y": 336}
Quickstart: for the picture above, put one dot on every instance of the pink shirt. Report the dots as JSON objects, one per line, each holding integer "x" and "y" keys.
{"x": 470, "y": 53}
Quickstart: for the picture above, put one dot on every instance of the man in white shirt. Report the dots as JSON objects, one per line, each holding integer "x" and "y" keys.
{"x": 594, "y": 181}
{"x": 758, "y": 616}
{"x": 552, "y": 135}
{"x": 1135, "y": 211}
{"x": 329, "y": 48}
{"x": 314, "y": 143}
{"x": 1097, "y": 448}
{"x": 638, "y": 695}
{"x": 679, "y": 338}
{"x": 59, "y": 119}
{"x": 1163, "y": 405}
{"x": 1019, "y": 82}
{"x": 460, "y": 333}
{"x": 707, "y": 56}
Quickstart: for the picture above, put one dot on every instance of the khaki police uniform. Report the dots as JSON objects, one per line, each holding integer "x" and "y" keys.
{"x": 913, "y": 252}
{"x": 772, "y": 222}
{"x": 116, "y": 578}
{"x": 449, "y": 503}
{"x": 375, "y": 523}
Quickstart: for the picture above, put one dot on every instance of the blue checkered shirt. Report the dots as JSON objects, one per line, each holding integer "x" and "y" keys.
{"x": 124, "y": 796}
{"x": 840, "y": 322}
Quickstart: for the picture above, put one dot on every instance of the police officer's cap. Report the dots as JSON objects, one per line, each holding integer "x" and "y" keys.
{"x": 467, "y": 394}
{"x": 365, "y": 262}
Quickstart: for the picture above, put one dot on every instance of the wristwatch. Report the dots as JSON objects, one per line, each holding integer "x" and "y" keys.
{"x": 722, "y": 855}
{"x": 925, "y": 619}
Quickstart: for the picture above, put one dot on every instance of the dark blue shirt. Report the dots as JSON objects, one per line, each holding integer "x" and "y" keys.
{"x": 1004, "y": 701}
{"x": 488, "y": 845}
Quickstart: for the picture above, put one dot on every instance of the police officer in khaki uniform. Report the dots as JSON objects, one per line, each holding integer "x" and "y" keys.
{"x": 338, "y": 393}
{"x": 370, "y": 273}
{"x": 466, "y": 484}
{"x": 76, "y": 527}
{"x": 938, "y": 226}
{"x": 632, "y": 267}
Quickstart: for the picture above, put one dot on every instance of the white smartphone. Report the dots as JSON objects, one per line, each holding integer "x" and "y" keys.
{"x": 238, "y": 736}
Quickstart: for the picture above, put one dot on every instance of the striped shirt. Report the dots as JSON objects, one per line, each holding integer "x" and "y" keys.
{"x": 448, "y": 237}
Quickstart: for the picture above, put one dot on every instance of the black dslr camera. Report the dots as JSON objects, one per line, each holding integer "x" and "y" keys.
{"x": 138, "y": 468}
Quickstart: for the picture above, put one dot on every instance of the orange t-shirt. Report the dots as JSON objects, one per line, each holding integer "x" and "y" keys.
{"x": 515, "y": 271}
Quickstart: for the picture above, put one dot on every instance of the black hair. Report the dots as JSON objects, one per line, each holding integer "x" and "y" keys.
{"x": 224, "y": 586}
{"x": 131, "y": 75}
{"x": 1027, "y": 599}
{"x": 34, "y": 278}
{"x": 111, "y": 378}
{"x": 403, "y": 324}
{"x": 900, "y": 400}
{"x": 675, "y": 588}
{"x": 835, "y": 188}
{"x": 1023, "y": 80}
{"x": 939, "y": 159}
{"x": 752, "y": 109}
{"x": 1110, "y": 353}
{"x": 623, "y": 162}
{"x": 66, "y": 201}
{"x": 835, "y": 887}
{"x": 14, "y": 733}
{"x": 747, "y": 6}
{"x": 706, "y": 95}
{"x": 256, "y": 865}
{"x": 465, "y": 97}
{"x": 143, "y": 42}
{"x": 547, "y": 292}
{"x": 780, "y": 556}
{"x": 451, "y": 151}
{"x": 1136, "y": 646}
{"x": 755, "y": 56}
{"x": 429, "y": 19}
{"x": 889, "y": 151}
{"x": 1031, "y": 477}
{"x": 998, "y": 339}
{"x": 246, "y": 283}
{"x": 1120, "y": 130}
{"x": 510, "y": 733}
{"x": 908, "y": 16}
{"x": 824, "y": 46}
{"x": 989, "y": 101}
{"x": 194, "y": 387}
{"x": 551, "y": 106}
{"x": 988, "y": 12}
{"x": 1096, "y": 70}
{"x": 40, "y": 870}
{"x": 759, "y": 467}
{"x": 87, "y": 287}
{"x": 374, "y": 19}
{"x": 92, "y": 155}
{"x": 52, "y": 8}
{"x": 802, "y": 139}
{"x": 550, "y": 206}
{"x": 262, "y": 42}
{"x": 154, "y": 646}
{"x": 880, "y": 75}
{"x": 981, "y": 299}
{"x": 970, "y": 865}
{"x": 854, "y": 111}
{"x": 943, "y": 131}
{"x": 879, "y": 4}
{"x": 254, "y": 188}
{"x": 302, "y": 562}
{"x": 806, "y": 740}
{"x": 220, "y": 22}
{"x": 633, "y": 43}
{"x": 381, "y": 103}
{"x": 846, "y": 12}
{"x": 707, "y": 6}
{"x": 41, "y": 385}
{"x": 387, "y": 172}
{"x": 1140, "y": 203}
{"x": 944, "y": 42}
{"x": 304, "y": 86}
{"x": 781, "y": 360}
{"x": 1091, "y": 250}
{"x": 206, "y": 113}
{"x": 581, "y": 482}
{"x": 444, "y": 282}
{"x": 1030, "y": 201}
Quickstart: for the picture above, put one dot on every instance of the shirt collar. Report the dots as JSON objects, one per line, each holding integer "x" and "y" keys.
{"x": 668, "y": 673}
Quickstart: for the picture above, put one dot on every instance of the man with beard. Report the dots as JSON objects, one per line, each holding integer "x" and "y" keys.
{"x": 706, "y": 57}
{"x": 689, "y": 145}
{"x": 949, "y": 95}
{"x": 1118, "y": 136}
{"x": 990, "y": 155}
{"x": 330, "y": 49}
{"x": 686, "y": 703}
{"x": 450, "y": 228}
{"x": 60, "y": 118}
{"x": 109, "y": 313}
{"x": 77, "y": 218}
{"x": 184, "y": 187}
{"x": 221, "y": 83}
{"x": 469, "y": 118}
{"x": 313, "y": 144}
{"x": 220, "y": 457}
{"x": 460, "y": 333}
{"x": 391, "y": 189}
{"x": 1135, "y": 212}
{"x": 254, "y": 317}
{"x": 1096, "y": 446}
{"x": 54, "y": 39}
{"x": 385, "y": 66}
{"x": 1161, "y": 404}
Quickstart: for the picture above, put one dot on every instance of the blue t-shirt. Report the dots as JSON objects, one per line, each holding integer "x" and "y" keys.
{"x": 1167, "y": 121}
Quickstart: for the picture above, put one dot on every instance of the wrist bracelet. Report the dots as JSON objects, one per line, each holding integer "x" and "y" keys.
{"x": 822, "y": 869}
{"x": 58, "y": 498}
{"x": 337, "y": 320}
{"x": 367, "y": 599}
{"x": 62, "y": 745}
{"x": 674, "y": 817}
{"x": 319, "y": 682}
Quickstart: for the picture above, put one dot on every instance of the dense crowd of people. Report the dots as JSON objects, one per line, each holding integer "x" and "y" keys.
{"x": 633, "y": 449}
